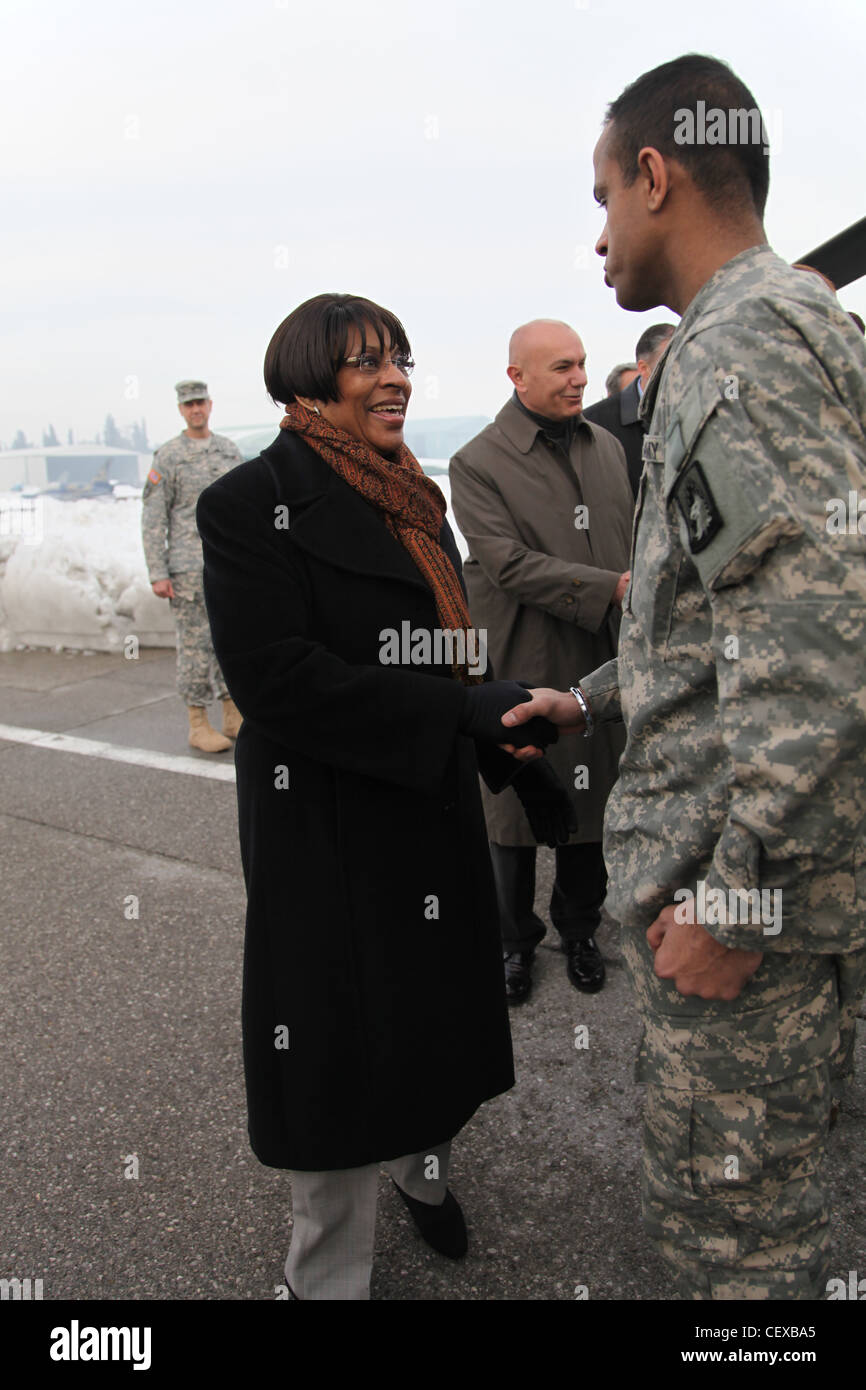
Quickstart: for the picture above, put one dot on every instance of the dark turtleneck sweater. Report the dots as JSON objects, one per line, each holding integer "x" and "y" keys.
{"x": 559, "y": 434}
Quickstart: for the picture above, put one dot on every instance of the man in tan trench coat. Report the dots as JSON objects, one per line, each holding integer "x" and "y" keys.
{"x": 544, "y": 502}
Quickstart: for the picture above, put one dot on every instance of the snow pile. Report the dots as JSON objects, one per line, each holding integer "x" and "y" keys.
{"x": 72, "y": 574}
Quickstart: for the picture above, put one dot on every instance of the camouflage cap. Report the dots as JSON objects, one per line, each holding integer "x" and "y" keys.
{"x": 191, "y": 391}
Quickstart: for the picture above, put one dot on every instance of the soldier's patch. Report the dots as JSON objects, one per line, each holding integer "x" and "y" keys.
{"x": 698, "y": 506}
{"x": 154, "y": 477}
{"x": 652, "y": 450}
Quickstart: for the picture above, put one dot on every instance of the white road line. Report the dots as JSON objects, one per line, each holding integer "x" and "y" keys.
{"x": 117, "y": 753}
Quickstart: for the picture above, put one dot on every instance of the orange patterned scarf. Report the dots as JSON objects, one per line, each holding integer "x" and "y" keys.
{"x": 411, "y": 504}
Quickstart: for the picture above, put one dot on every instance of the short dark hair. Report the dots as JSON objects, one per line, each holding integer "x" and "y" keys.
{"x": 309, "y": 347}
{"x": 612, "y": 380}
{"x": 652, "y": 338}
{"x": 645, "y": 114}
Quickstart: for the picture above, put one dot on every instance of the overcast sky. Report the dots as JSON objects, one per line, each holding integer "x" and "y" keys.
{"x": 178, "y": 176}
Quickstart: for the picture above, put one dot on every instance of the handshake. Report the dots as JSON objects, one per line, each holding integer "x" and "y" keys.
{"x": 500, "y": 710}
{"x": 518, "y": 718}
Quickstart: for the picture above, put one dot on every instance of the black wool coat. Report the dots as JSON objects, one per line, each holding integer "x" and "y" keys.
{"x": 374, "y": 1016}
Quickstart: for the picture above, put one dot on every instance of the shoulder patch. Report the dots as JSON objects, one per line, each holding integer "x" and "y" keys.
{"x": 698, "y": 507}
{"x": 154, "y": 477}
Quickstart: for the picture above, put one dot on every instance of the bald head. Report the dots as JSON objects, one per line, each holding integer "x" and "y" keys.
{"x": 546, "y": 365}
{"x": 538, "y": 333}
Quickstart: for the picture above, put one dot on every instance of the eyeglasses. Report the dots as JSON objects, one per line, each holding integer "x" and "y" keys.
{"x": 371, "y": 364}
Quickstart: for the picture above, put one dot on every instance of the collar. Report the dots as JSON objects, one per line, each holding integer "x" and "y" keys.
{"x": 629, "y": 403}
{"x": 333, "y": 522}
{"x": 648, "y": 399}
{"x": 753, "y": 255}
{"x": 522, "y": 427}
{"x": 698, "y": 305}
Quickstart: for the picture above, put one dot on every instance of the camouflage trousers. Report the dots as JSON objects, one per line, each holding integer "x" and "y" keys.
{"x": 736, "y": 1120}
{"x": 199, "y": 678}
{"x": 732, "y": 1190}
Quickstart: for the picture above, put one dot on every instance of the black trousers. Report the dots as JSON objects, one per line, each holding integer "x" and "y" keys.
{"x": 579, "y": 890}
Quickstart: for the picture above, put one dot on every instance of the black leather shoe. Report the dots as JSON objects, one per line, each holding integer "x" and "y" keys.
{"x": 518, "y": 975}
{"x": 442, "y": 1227}
{"x": 584, "y": 965}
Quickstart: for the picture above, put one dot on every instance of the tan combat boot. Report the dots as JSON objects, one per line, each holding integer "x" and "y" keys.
{"x": 232, "y": 719}
{"x": 201, "y": 733}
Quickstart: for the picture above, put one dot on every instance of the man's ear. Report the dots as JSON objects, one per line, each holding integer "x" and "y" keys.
{"x": 515, "y": 376}
{"x": 653, "y": 169}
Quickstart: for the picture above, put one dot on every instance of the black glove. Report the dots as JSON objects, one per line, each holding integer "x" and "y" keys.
{"x": 484, "y": 707}
{"x": 547, "y": 804}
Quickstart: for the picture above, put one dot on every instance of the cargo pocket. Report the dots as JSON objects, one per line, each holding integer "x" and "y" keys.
{"x": 726, "y": 1144}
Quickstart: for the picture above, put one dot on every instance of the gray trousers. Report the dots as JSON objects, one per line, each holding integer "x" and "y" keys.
{"x": 334, "y": 1221}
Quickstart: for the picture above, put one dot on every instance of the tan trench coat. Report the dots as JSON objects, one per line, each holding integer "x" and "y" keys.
{"x": 540, "y": 578}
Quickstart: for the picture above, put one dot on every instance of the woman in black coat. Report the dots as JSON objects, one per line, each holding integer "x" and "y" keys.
{"x": 374, "y": 1016}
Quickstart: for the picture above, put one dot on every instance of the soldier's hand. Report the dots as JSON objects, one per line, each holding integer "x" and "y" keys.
{"x": 698, "y": 964}
{"x": 163, "y": 588}
{"x": 619, "y": 591}
{"x": 560, "y": 707}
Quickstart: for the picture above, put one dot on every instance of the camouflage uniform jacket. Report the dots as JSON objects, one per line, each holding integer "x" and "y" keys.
{"x": 740, "y": 675}
{"x": 181, "y": 471}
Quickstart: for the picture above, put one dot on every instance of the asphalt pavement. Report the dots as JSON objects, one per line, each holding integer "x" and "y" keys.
{"x": 127, "y": 1172}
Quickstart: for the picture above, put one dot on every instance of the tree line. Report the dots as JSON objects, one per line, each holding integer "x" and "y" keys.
{"x": 135, "y": 437}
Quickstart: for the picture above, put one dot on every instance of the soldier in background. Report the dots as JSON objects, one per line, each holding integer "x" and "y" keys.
{"x": 181, "y": 470}
{"x": 735, "y": 837}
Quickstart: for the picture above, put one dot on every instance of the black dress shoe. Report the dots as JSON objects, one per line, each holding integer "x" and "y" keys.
{"x": 442, "y": 1227}
{"x": 584, "y": 965}
{"x": 518, "y": 975}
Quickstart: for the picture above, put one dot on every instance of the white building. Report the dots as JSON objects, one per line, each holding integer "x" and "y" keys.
{"x": 73, "y": 468}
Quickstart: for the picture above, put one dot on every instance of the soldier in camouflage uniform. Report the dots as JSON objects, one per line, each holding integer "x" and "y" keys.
{"x": 734, "y": 837}
{"x": 181, "y": 470}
